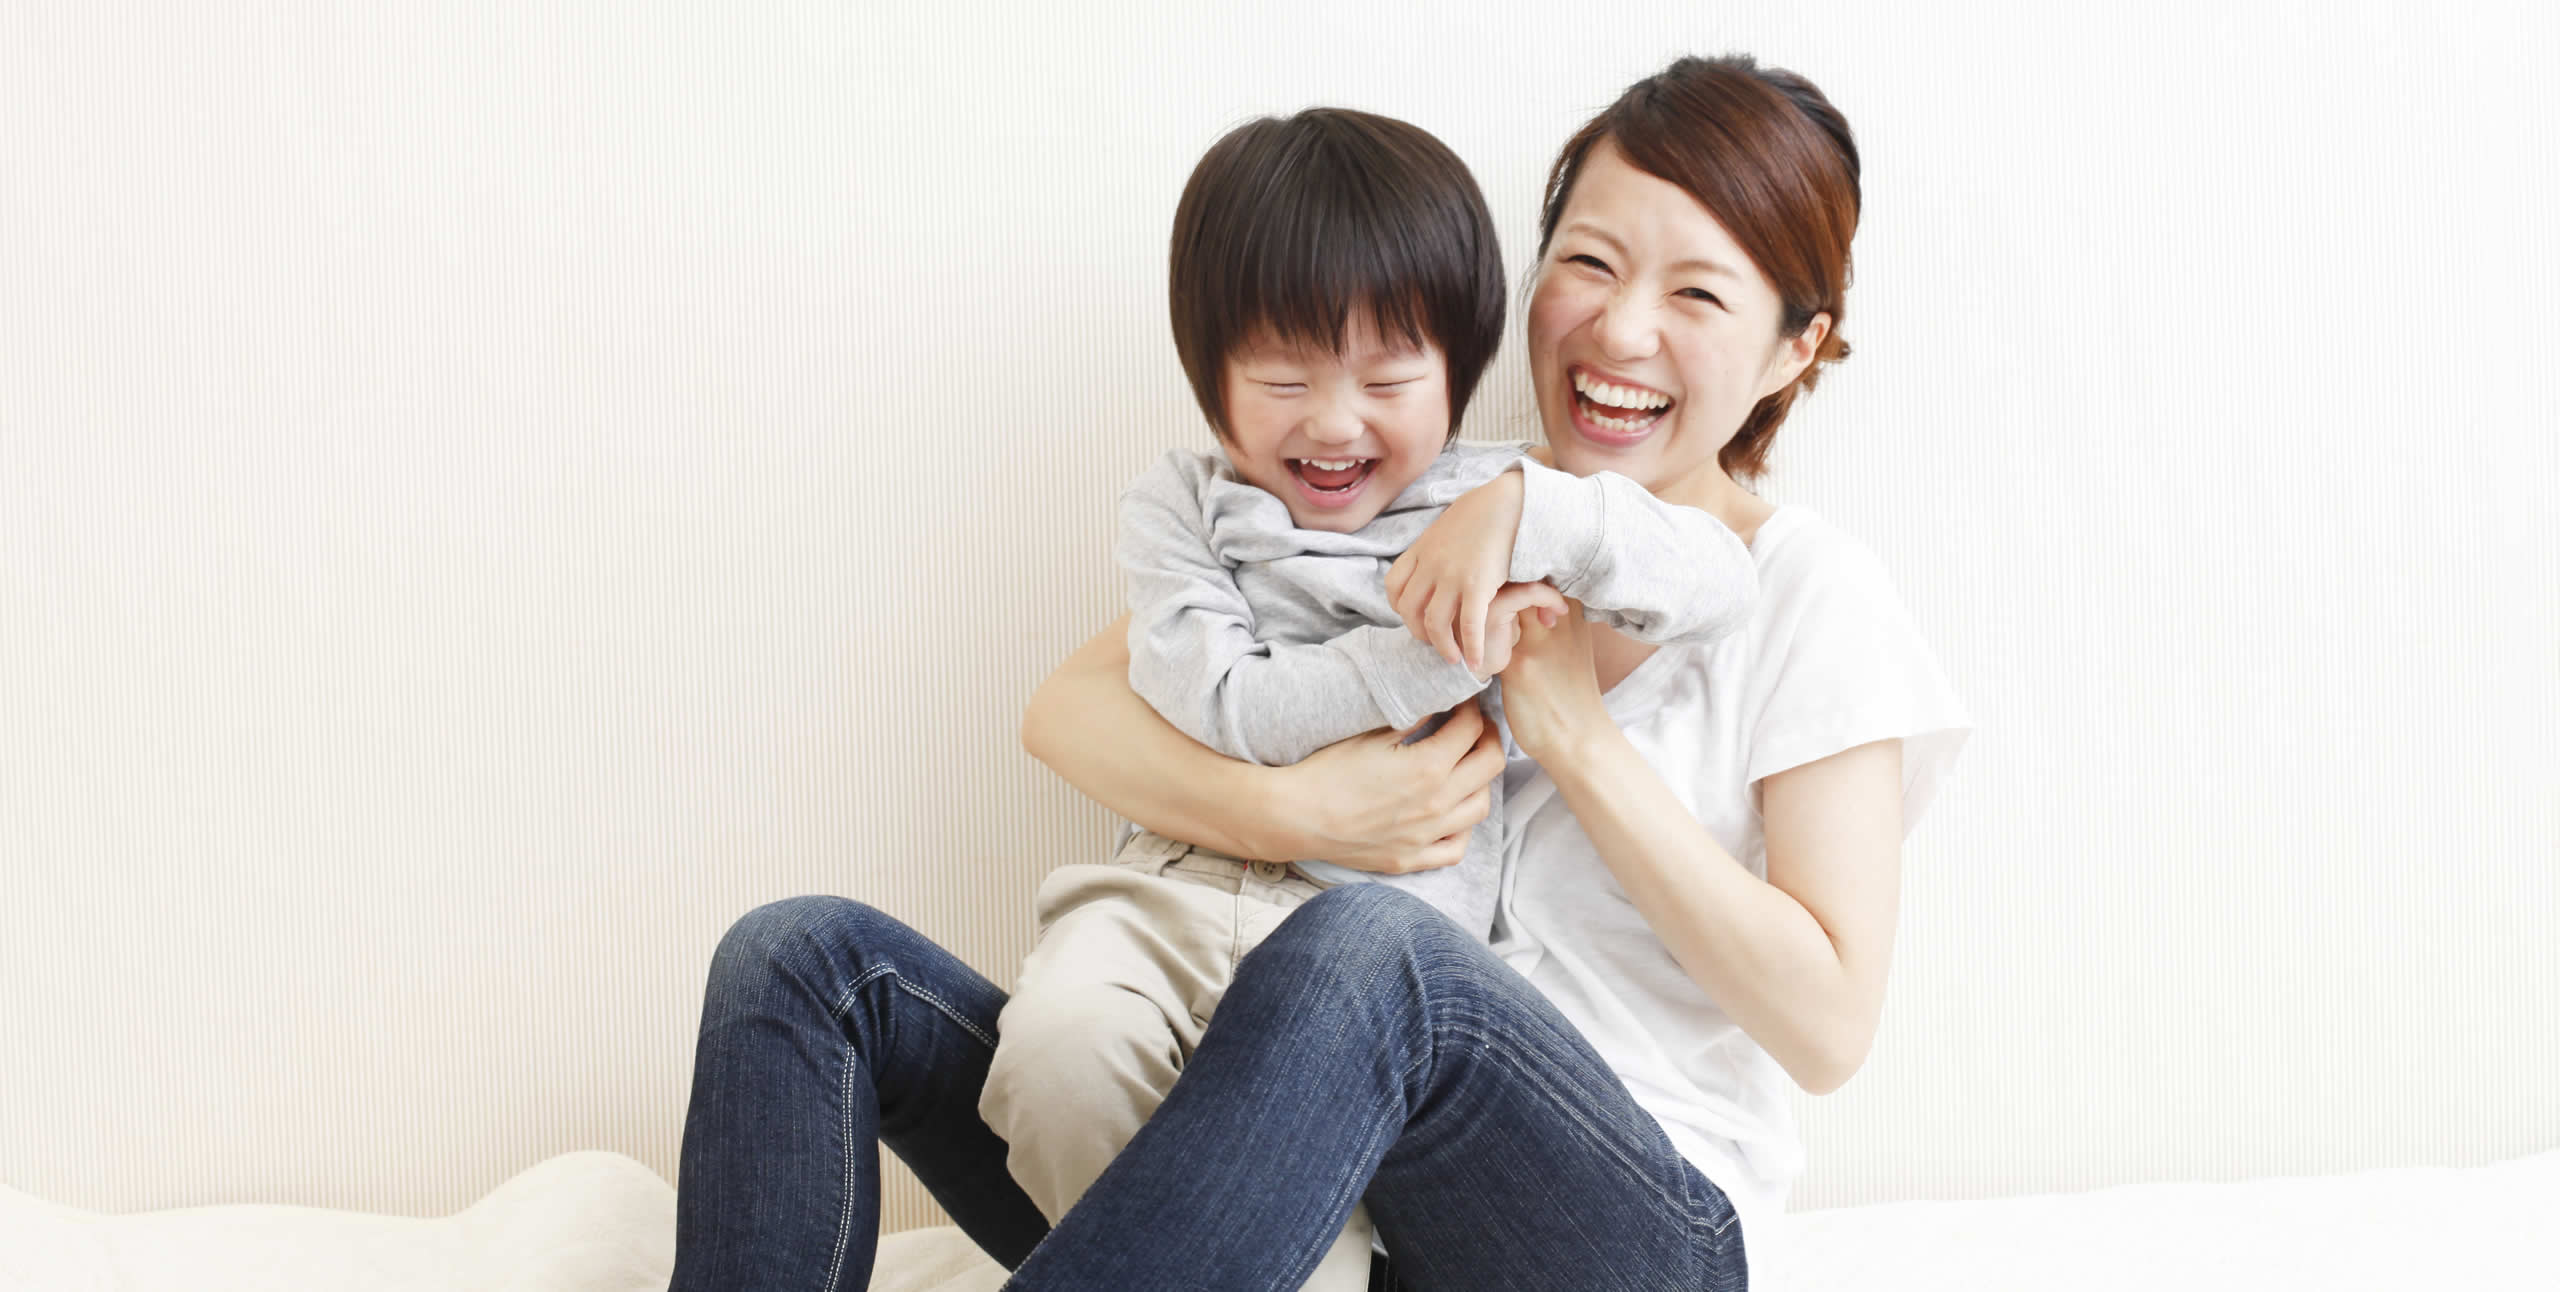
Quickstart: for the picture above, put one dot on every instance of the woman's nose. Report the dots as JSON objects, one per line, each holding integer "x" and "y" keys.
{"x": 1627, "y": 329}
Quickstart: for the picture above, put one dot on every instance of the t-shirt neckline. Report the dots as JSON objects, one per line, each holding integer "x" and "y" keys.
{"x": 1637, "y": 688}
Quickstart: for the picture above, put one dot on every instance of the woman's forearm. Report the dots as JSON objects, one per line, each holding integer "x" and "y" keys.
{"x": 1752, "y": 947}
{"x": 1090, "y": 728}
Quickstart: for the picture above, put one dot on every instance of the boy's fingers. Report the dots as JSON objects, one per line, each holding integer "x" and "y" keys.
{"x": 1471, "y": 629}
{"x": 1439, "y": 614}
{"x": 1408, "y": 605}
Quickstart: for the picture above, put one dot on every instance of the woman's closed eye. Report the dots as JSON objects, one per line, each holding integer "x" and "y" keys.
{"x": 1588, "y": 261}
{"x": 1700, "y": 294}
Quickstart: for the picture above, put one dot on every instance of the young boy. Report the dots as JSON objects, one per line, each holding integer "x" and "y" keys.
{"x": 1337, "y": 291}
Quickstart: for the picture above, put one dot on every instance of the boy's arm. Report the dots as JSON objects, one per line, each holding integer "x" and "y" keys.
{"x": 1656, "y": 571}
{"x": 1194, "y": 655}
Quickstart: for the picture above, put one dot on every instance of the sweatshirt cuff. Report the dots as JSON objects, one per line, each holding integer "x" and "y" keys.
{"x": 1408, "y": 679}
{"x": 1560, "y": 525}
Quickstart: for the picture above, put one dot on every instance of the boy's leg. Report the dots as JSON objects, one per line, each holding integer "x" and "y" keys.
{"x": 1111, "y": 1000}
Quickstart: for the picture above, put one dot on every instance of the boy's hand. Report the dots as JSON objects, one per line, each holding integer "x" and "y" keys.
{"x": 1512, "y": 607}
{"x": 1444, "y": 585}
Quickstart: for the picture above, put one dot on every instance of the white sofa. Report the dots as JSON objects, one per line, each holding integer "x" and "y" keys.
{"x": 600, "y": 1222}
{"x": 579, "y": 1222}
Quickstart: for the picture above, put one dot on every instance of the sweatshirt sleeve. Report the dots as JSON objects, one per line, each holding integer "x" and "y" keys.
{"x": 1657, "y": 571}
{"x": 1194, "y": 656}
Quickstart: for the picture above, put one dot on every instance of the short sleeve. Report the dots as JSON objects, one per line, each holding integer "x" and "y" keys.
{"x": 1842, "y": 665}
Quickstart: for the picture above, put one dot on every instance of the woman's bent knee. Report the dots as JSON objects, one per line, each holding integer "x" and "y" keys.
{"x": 794, "y": 935}
{"x": 1349, "y": 942}
{"x": 1363, "y": 919}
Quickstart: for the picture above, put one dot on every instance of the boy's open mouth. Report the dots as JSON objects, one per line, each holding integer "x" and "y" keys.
{"x": 1332, "y": 475}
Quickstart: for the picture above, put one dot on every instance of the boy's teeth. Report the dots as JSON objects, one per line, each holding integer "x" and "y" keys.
{"x": 1601, "y": 392}
{"x": 1334, "y": 464}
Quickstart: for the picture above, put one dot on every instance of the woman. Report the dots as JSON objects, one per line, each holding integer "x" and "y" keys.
{"x": 1705, "y": 842}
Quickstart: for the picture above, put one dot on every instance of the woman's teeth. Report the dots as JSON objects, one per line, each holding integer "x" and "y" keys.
{"x": 1643, "y": 407}
{"x": 1629, "y": 398}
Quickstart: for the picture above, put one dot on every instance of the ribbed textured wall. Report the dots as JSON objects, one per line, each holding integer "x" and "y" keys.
{"x": 489, "y": 493}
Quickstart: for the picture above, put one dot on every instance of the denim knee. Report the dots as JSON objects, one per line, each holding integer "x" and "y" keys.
{"x": 1363, "y": 919}
{"x": 1351, "y": 937}
{"x": 792, "y": 939}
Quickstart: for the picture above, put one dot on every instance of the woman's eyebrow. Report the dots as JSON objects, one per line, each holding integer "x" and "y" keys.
{"x": 1694, "y": 264}
{"x": 1700, "y": 265}
{"x": 1589, "y": 229}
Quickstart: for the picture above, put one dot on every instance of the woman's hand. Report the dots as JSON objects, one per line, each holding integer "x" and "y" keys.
{"x": 1515, "y": 605}
{"x": 1373, "y": 803}
{"x": 1444, "y": 585}
{"x": 1551, "y": 691}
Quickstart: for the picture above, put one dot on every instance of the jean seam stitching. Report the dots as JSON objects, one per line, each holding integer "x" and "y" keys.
{"x": 945, "y": 1008}
{"x": 844, "y": 1211}
{"x": 940, "y": 1006}
{"x": 845, "y": 1001}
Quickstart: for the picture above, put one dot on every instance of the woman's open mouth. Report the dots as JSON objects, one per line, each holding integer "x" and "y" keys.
{"x": 1615, "y": 414}
{"x": 1331, "y": 482}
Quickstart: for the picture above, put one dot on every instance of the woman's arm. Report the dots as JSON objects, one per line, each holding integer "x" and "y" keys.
{"x": 1368, "y": 802}
{"x": 1798, "y": 960}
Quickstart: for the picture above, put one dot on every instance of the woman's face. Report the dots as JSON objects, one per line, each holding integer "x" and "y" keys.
{"x": 1651, "y": 334}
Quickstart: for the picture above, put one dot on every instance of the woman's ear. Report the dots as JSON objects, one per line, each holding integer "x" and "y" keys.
{"x": 1794, "y": 354}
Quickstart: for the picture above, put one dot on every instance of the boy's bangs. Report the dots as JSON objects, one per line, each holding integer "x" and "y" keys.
{"x": 1303, "y": 295}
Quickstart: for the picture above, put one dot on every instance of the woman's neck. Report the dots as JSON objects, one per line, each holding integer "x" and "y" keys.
{"x": 1710, "y": 490}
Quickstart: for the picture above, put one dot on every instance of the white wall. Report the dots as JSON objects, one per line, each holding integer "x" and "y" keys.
{"x": 490, "y": 492}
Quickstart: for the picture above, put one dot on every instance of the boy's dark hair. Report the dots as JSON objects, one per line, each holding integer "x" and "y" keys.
{"x": 1288, "y": 224}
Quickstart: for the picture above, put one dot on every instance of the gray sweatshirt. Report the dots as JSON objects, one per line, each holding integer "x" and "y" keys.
{"x": 1267, "y": 642}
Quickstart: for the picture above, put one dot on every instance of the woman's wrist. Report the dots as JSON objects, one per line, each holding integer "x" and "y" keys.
{"x": 1257, "y": 823}
{"x": 1580, "y": 748}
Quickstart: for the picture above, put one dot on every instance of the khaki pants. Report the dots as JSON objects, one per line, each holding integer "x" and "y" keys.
{"x": 1132, "y": 958}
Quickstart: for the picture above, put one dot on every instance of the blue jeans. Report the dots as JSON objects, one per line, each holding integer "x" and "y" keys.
{"x": 1367, "y": 1048}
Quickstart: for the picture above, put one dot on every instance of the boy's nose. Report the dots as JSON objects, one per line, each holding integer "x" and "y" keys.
{"x": 1334, "y": 424}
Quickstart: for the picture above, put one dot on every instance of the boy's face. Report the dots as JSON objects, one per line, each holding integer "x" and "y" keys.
{"x": 1335, "y": 436}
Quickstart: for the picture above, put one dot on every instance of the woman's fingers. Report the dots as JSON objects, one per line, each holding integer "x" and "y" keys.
{"x": 1470, "y": 811}
{"x": 1448, "y": 851}
{"x": 1483, "y": 759}
{"x": 1451, "y": 742}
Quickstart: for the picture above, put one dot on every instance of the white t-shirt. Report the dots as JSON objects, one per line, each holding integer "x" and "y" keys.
{"x": 1829, "y": 661}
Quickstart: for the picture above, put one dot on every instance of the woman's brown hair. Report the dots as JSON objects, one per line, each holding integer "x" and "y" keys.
{"x": 1769, "y": 157}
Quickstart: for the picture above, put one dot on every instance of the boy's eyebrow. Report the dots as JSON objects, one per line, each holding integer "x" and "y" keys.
{"x": 1694, "y": 264}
